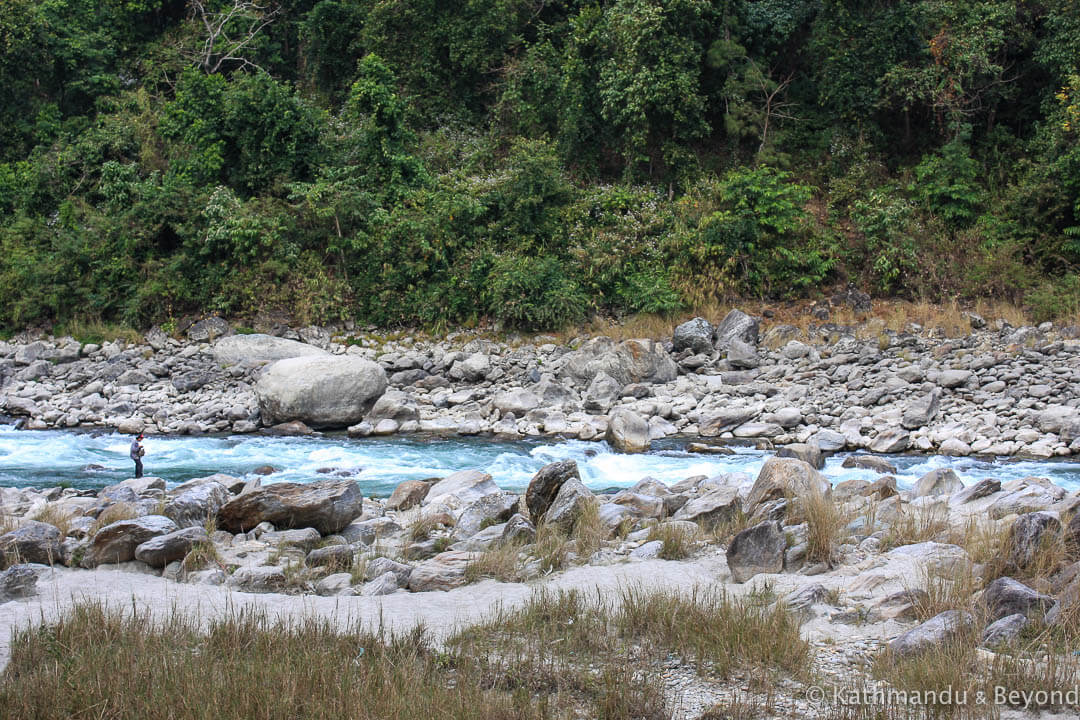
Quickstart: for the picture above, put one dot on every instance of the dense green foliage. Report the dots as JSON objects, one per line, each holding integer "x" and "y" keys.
{"x": 534, "y": 162}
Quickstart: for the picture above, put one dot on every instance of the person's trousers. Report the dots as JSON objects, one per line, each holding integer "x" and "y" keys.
{"x": 138, "y": 467}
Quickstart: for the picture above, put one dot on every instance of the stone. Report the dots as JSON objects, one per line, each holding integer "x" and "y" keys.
{"x": 785, "y": 477}
{"x": 395, "y": 406}
{"x": 568, "y": 505}
{"x": 954, "y": 447}
{"x": 161, "y": 550}
{"x": 545, "y": 485}
{"x": 602, "y": 393}
{"x": 829, "y": 440}
{"x": 326, "y": 505}
{"x": 208, "y": 330}
{"x": 1005, "y": 631}
{"x": 901, "y": 606}
{"x": 983, "y": 488}
{"x": 933, "y": 633}
{"x": 742, "y": 355}
{"x": 258, "y": 579}
{"x": 381, "y": 565}
{"x": 116, "y": 543}
{"x": 801, "y": 601}
{"x": 736, "y": 325}
{"x": 192, "y": 381}
{"x": 490, "y": 509}
{"x": 727, "y": 419}
{"x": 712, "y": 508}
{"x": 461, "y": 489}
{"x": 920, "y": 413}
{"x": 302, "y": 538}
{"x": 322, "y": 391}
{"x": 941, "y": 481}
{"x": 196, "y": 505}
{"x": 954, "y": 378}
{"x": 384, "y": 584}
{"x": 1006, "y": 596}
{"x": 258, "y": 349}
{"x": 648, "y": 551}
{"x": 809, "y": 453}
{"x": 759, "y": 549}
{"x": 891, "y": 440}
{"x": 332, "y": 556}
{"x": 939, "y": 558}
{"x": 641, "y": 505}
{"x": 630, "y": 361}
{"x": 627, "y": 431}
{"x": 445, "y": 571}
{"x": 516, "y": 400}
{"x": 408, "y": 494}
{"x": 695, "y": 335}
{"x": 519, "y": 530}
{"x": 33, "y": 542}
{"x": 883, "y": 488}
{"x": 1030, "y": 533}
{"x": 335, "y": 584}
{"x": 473, "y": 368}
{"x": 17, "y": 582}
{"x": 869, "y": 462}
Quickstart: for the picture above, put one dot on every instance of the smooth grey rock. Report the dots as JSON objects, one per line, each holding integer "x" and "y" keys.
{"x": 712, "y": 508}
{"x": 461, "y": 488}
{"x": 492, "y": 509}
{"x": 941, "y": 481}
{"x": 516, "y": 400}
{"x": 901, "y": 606}
{"x": 728, "y": 418}
{"x": 892, "y": 440}
{"x": 18, "y": 581}
{"x": 209, "y": 329}
{"x": 445, "y": 571}
{"x": 196, "y": 505}
{"x": 602, "y": 393}
{"x": 920, "y": 413}
{"x": 1029, "y": 532}
{"x": 408, "y": 494}
{"x": 869, "y": 462}
{"x": 161, "y": 550}
{"x": 1006, "y": 596}
{"x": 545, "y": 484}
{"x": 322, "y": 391}
{"x": 257, "y": 349}
{"x": 954, "y": 378}
{"x": 648, "y": 551}
{"x": 742, "y": 355}
{"x": 931, "y": 634}
{"x": 630, "y": 361}
{"x": 981, "y": 489}
{"x": 33, "y": 542}
{"x": 518, "y": 530}
{"x": 695, "y": 335}
{"x": 335, "y": 584}
{"x": 382, "y": 565}
{"x": 808, "y": 453}
{"x": 1005, "y": 631}
{"x": 627, "y": 431}
{"x": 258, "y": 579}
{"x": 384, "y": 584}
{"x": 785, "y": 477}
{"x": 334, "y": 556}
{"x": 326, "y": 505}
{"x": 759, "y": 549}
{"x": 568, "y": 505}
{"x": 116, "y": 543}
{"x": 303, "y": 538}
{"x": 394, "y": 405}
{"x": 736, "y": 325}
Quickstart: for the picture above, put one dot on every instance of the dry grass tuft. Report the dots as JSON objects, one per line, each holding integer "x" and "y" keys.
{"x": 916, "y": 525}
{"x": 114, "y": 513}
{"x": 58, "y": 518}
{"x": 202, "y": 556}
{"x": 501, "y": 562}
{"x": 824, "y": 524}
{"x": 679, "y": 541}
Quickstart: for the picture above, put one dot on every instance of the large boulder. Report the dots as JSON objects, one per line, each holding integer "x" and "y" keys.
{"x": 934, "y": 633}
{"x": 34, "y": 542}
{"x": 461, "y": 488}
{"x": 197, "y": 504}
{"x": 545, "y": 485}
{"x": 602, "y": 393}
{"x": 394, "y": 405}
{"x": 938, "y": 482}
{"x": 516, "y": 400}
{"x": 1030, "y": 534}
{"x": 408, "y": 494}
{"x": 736, "y": 325}
{"x": 712, "y": 508}
{"x": 18, "y": 581}
{"x": 631, "y": 361}
{"x": 488, "y": 510}
{"x": 627, "y": 431}
{"x": 759, "y": 549}
{"x": 695, "y": 335}
{"x": 445, "y": 571}
{"x": 116, "y": 543}
{"x": 785, "y": 477}
{"x": 326, "y": 505}
{"x": 260, "y": 349}
{"x": 568, "y": 505}
{"x": 322, "y": 391}
{"x": 919, "y": 413}
{"x": 1006, "y": 596}
{"x": 728, "y": 418}
{"x": 161, "y": 550}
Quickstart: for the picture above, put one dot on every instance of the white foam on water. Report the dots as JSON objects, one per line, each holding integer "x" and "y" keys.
{"x": 45, "y": 458}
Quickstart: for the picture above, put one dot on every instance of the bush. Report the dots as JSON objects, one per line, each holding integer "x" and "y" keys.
{"x": 530, "y": 292}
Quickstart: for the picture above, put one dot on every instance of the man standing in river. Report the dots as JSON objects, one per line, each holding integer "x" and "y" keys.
{"x": 136, "y": 453}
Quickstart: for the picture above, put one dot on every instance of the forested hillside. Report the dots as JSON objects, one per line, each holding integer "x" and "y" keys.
{"x": 434, "y": 162}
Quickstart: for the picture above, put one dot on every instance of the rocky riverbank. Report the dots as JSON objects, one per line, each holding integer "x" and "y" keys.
{"x": 996, "y": 391}
{"x": 874, "y": 572}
